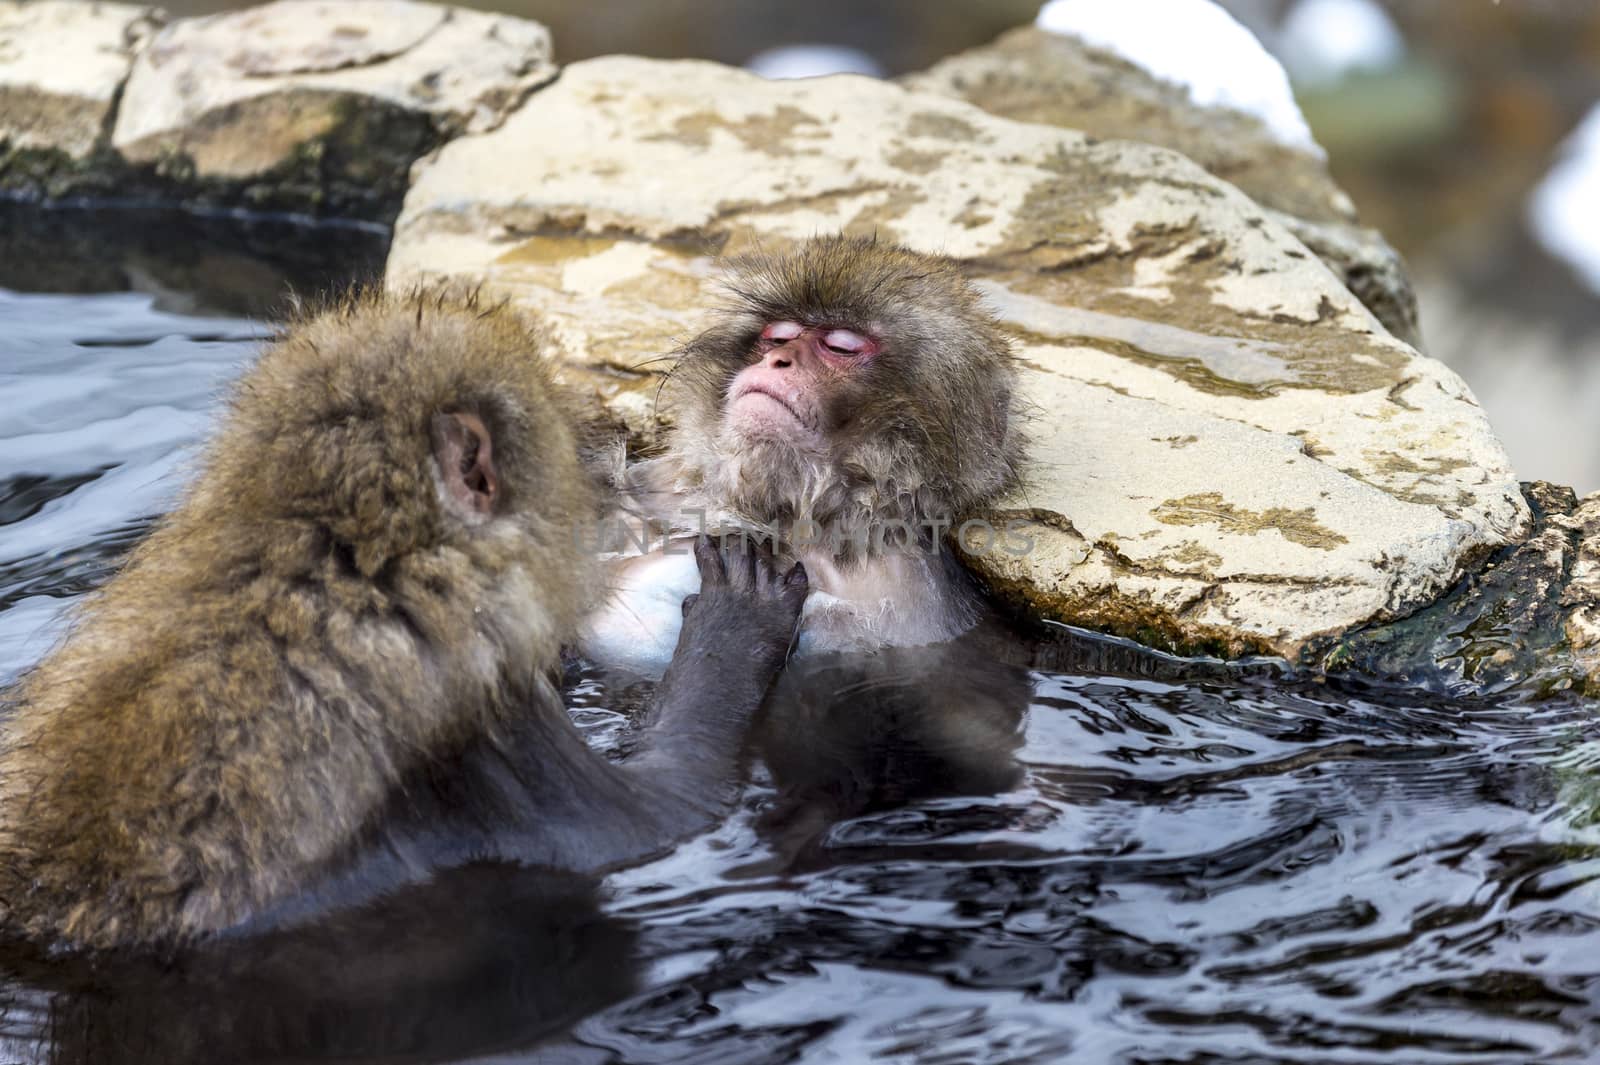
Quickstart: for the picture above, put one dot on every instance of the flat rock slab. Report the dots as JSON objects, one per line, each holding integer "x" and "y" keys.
{"x": 302, "y": 97}
{"x": 61, "y": 64}
{"x": 1229, "y": 452}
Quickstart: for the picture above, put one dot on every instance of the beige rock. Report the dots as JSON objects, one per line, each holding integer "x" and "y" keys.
{"x": 1230, "y": 452}
{"x": 1035, "y": 76}
{"x": 239, "y": 94}
{"x": 61, "y": 64}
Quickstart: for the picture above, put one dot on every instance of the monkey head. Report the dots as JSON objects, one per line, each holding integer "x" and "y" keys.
{"x": 849, "y": 382}
{"x": 423, "y": 444}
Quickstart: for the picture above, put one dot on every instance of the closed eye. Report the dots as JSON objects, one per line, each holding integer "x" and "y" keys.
{"x": 845, "y": 342}
{"x": 782, "y": 331}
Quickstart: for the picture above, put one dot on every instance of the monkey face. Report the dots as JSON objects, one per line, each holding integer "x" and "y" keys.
{"x": 791, "y": 391}
{"x": 852, "y": 381}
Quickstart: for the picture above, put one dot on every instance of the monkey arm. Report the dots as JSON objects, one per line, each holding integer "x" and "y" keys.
{"x": 736, "y": 633}
{"x": 537, "y": 793}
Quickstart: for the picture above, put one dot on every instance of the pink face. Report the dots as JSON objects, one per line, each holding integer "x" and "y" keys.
{"x": 785, "y": 393}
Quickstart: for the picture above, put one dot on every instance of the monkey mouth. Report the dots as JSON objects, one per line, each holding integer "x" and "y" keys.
{"x": 789, "y": 408}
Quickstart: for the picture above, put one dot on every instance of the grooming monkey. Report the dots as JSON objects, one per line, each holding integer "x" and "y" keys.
{"x": 859, "y": 392}
{"x": 332, "y": 662}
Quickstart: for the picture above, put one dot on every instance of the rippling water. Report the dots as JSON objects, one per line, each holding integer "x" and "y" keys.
{"x": 104, "y": 398}
{"x": 1197, "y": 867}
{"x": 1190, "y": 872}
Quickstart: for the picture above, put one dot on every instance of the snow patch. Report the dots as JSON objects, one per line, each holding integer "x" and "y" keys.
{"x": 1562, "y": 208}
{"x": 812, "y": 61}
{"x": 1193, "y": 43}
{"x": 1323, "y": 40}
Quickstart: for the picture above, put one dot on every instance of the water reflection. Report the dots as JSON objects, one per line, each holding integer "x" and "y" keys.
{"x": 1114, "y": 857}
{"x": 94, "y": 440}
{"x": 482, "y": 959}
{"x": 845, "y": 734}
{"x": 195, "y": 264}
{"x": 1225, "y": 870}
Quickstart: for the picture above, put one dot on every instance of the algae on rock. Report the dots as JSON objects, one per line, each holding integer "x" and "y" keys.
{"x": 1525, "y": 621}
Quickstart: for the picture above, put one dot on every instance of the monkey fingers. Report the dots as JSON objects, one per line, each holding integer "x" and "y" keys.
{"x": 709, "y": 561}
{"x": 744, "y": 598}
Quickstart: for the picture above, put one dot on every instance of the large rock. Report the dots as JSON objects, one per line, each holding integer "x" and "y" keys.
{"x": 1230, "y": 452}
{"x": 1035, "y": 76}
{"x": 61, "y": 66}
{"x": 319, "y": 105}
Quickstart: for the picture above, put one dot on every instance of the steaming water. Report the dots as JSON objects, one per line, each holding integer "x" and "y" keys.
{"x": 1206, "y": 869}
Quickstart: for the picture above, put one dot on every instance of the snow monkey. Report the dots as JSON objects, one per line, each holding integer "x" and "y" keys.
{"x": 855, "y": 400}
{"x": 333, "y": 661}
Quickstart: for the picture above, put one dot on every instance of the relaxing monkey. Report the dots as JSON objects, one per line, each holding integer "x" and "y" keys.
{"x": 856, "y": 400}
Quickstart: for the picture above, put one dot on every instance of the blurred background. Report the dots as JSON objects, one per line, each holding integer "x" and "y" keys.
{"x": 1457, "y": 126}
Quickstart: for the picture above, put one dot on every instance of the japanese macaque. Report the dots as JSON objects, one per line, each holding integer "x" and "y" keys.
{"x": 856, "y": 402}
{"x": 330, "y": 669}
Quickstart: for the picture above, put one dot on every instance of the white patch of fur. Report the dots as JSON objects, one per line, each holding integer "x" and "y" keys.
{"x": 896, "y": 599}
{"x": 636, "y": 629}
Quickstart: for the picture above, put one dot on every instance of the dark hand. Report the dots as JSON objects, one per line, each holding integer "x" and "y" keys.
{"x": 743, "y": 602}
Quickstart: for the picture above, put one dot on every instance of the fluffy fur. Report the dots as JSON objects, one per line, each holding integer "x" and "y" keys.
{"x": 926, "y": 431}
{"x": 234, "y": 705}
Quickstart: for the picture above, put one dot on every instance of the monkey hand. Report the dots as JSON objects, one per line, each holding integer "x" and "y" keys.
{"x": 744, "y": 602}
{"x": 736, "y": 634}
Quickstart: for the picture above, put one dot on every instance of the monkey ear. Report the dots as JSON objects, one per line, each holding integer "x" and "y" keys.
{"x": 465, "y": 453}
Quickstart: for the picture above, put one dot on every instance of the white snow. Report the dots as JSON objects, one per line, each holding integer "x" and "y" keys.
{"x": 1193, "y": 43}
{"x": 812, "y": 61}
{"x": 1564, "y": 208}
{"x": 1323, "y": 40}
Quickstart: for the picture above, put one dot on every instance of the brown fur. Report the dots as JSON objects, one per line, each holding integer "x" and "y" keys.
{"x": 927, "y": 431}
{"x": 233, "y": 706}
